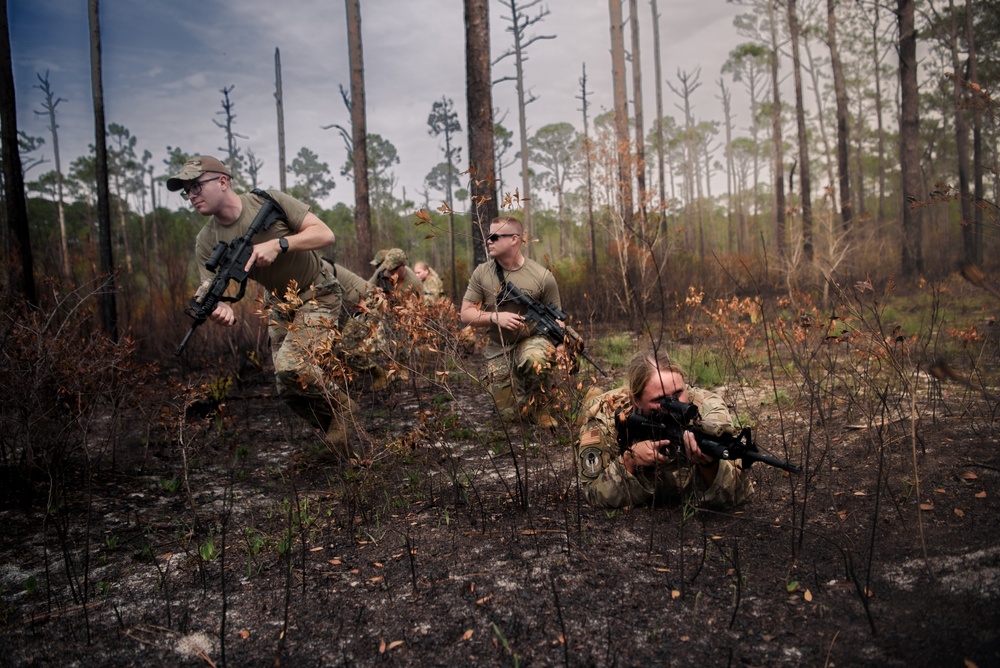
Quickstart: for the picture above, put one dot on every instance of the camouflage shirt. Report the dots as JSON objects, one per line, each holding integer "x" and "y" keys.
{"x": 607, "y": 483}
{"x": 433, "y": 286}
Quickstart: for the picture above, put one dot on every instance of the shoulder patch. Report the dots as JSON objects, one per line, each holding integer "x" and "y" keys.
{"x": 591, "y": 462}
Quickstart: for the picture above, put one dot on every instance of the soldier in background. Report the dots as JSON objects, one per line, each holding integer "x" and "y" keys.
{"x": 392, "y": 275}
{"x": 433, "y": 285}
{"x": 519, "y": 363}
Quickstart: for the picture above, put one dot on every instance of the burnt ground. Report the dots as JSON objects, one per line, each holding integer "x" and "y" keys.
{"x": 458, "y": 542}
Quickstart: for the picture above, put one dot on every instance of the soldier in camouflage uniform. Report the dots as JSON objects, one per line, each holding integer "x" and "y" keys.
{"x": 645, "y": 474}
{"x": 393, "y": 283}
{"x": 392, "y": 275}
{"x": 433, "y": 286}
{"x": 519, "y": 362}
{"x": 359, "y": 326}
{"x": 285, "y": 256}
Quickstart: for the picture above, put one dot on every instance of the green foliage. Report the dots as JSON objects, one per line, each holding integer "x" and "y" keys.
{"x": 207, "y": 550}
{"x": 778, "y": 397}
{"x": 218, "y": 389}
{"x": 171, "y": 485}
{"x": 704, "y": 369}
{"x": 313, "y": 177}
{"x": 616, "y": 349}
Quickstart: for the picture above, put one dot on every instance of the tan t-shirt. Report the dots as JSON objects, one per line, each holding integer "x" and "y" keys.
{"x": 304, "y": 267}
{"x": 355, "y": 288}
{"x": 532, "y": 279}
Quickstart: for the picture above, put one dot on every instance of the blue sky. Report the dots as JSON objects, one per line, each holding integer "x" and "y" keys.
{"x": 166, "y": 63}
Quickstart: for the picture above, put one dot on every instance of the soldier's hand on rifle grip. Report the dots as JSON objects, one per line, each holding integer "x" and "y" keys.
{"x": 708, "y": 467}
{"x": 694, "y": 453}
{"x": 223, "y": 315}
{"x": 509, "y": 321}
{"x": 644, "y": 454}
{"x": 264, "y": 254}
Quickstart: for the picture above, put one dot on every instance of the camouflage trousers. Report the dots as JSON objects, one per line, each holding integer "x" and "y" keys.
{"x": 359, "y": 342}
{"x": 304, "y": 346}
{"x": 520, "y": 376}
{"x": 374, "y": 338}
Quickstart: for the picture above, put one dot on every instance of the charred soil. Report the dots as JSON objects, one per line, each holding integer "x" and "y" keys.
{"x": 457, "y": 540}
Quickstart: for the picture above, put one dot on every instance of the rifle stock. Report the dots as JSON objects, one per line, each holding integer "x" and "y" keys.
{"x": 228, "y": 261}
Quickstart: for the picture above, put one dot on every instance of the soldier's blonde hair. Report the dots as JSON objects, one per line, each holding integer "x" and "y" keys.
{"x": 642, "y": 367}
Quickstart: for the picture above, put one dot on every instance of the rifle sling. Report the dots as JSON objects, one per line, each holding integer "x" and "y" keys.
{"x": 503, "y": 284}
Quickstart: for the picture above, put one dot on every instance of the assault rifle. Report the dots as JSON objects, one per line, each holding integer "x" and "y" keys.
{"x": 546, "y": 319}
{"x": 673, "y": 419}
{"x": 229, "y": 261}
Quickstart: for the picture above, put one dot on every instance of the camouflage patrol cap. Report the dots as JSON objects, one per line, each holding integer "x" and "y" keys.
{"x": 377, "y": 260}
{"x": 193, "y": 169}
{"x": 394, "y": 258}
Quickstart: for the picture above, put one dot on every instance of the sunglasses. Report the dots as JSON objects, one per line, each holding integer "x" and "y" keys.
{"x": 194, "y": 188}
{"x": 493, "y": 238}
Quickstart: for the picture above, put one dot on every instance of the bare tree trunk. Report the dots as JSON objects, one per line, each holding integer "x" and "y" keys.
{"x": 106, "y": 297}
{"x": 877, "y": 62}
{"x": 813, "y": 70}
{"x": 779, "y": 155}
{"x": 843, "y": 136}
{"x": 479, "y": 104}
{"x": 696, "y": 168}
{"x": 640, "y": 137}
{"x": 803, "y": 136}
{"x": 519, "y": 24}
{"x": 451, "y": 211}
{"x": 912, "y": 257}
{"x": 726, "y": 98}
{"x": 659, "y": 119}
{"x": 233, "y": 159}
{"x": 49, "y": 107}
{"x": 977, "y": 139}
{"x": 621, "y": 112}
{"x": 359, "y": 130}
{"x": 961, "y": 139}
{"x": 279, "y": 101}
{"x": 587, "y": 148}
{"x": 153, "y": 221}
{"x": 20, "y": 263}
{"x": 522, "y": 124}
{"x": 692, "y": 186}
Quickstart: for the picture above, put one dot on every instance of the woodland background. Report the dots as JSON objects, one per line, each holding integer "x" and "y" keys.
{"x": 836, "y": 290}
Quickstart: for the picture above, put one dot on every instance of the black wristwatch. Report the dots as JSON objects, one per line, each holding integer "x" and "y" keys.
{"x": 283, "y": 242}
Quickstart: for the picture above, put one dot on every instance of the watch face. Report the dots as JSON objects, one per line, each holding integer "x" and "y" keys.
{"x": 283, "y": 242}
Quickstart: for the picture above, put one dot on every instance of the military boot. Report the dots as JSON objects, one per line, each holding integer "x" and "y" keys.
{"x": 506, "y": 404}
{"x": 542, "y": 415}
{"x": 544, "y": 418}
{"x": 337, "y": 439}
{"x": 380, "y": 379}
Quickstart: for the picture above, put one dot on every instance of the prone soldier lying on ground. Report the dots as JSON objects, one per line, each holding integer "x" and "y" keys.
{"x": 646, "y": 472}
